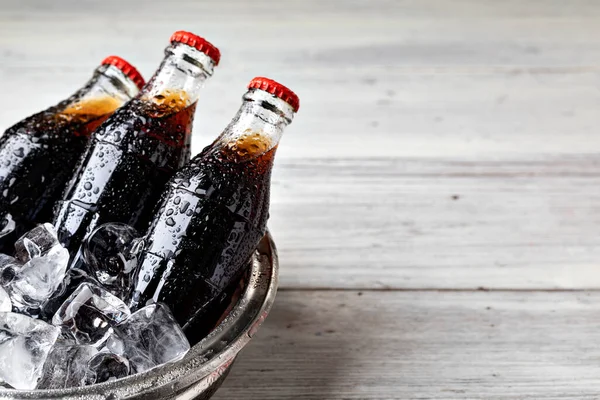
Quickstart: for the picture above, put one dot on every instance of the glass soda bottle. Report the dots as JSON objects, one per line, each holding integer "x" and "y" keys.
{"x": 38, "y": 154}
{"x": 134, "y": 153}
{"x": 214, "y": 211}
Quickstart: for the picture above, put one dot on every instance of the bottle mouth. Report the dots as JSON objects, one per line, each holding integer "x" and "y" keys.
{"x": 119, "y": 80}
{"x": 275, "y": 106}
{"x": 276, "y": 89}
{"x": 199, "y": 43}
{"x": 200, "y": 62}
{"x": 127, "y": 69}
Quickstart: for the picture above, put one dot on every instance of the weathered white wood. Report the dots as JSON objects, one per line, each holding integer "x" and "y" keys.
{"x": 422, "y": 345}
{"x": 376, "y": 78}
{"x": 404, "y": 105}
{"x": 396, "y": 114}
{"x": 439, "y": 144}
{"x": 393, "y": 78}
{"x": 328, "y": 33}
{"x": 389, "y": 223}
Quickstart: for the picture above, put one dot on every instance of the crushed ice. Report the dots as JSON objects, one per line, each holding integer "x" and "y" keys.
{"x": 93, "y": 337}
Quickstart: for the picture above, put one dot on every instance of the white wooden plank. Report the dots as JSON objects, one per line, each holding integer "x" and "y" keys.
{"x": 380, "y": 32}
{"x": 392, "y": 114}
{"x": 527, "y": 223}
{"x": 422, "y": 345}
{"x": 365, "y": 176}
{"x": 440, "y": 144}
{"x": 376, "y": 78}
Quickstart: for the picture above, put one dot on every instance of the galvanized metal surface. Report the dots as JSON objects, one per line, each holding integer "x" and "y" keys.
{"x": 204, "y": 368}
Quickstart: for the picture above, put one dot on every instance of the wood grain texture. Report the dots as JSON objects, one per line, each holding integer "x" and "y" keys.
{"x": 440, "y": 144}
{"x": 405, "y": 104}
{"x": 391, "y": 78}
{"x": 410, "y": 223}
{"x": 422, "y": 345}
{"x": 327, "y": 33}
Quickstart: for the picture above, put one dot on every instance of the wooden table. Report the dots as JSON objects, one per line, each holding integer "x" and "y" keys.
{"x": 435, "y": 202}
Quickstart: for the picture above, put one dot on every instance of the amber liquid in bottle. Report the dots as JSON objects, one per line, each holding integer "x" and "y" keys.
{"x": 131, "y": 158}
{"x": 40, "y": 152}
{"x": 212, "y": 216}
{"x": 135, "y": 152}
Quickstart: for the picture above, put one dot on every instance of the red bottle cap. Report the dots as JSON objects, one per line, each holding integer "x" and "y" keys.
{"x": 276, "y": 89}
{"x": 126, "y": 68}
{"x": 198, "y": 43}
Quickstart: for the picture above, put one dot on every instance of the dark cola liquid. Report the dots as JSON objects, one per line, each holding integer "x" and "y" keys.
{"x": 212, "y": 217}
{"x": 121, "y": 176}
{"x": 37, "y": 159}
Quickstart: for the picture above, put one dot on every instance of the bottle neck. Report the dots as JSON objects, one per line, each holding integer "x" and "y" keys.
{"x": 108, "y": 89}
{"x": 257, "y": 127}
{"x": 178, "y": 80}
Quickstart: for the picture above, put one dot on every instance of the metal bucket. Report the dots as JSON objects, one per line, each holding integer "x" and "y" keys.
{"x": 202, "y": 371}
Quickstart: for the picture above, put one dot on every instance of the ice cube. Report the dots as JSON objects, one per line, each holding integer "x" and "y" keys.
{"x": 67, "y": 366}
{"x": 106, "y": 366}
{"x": 45, "y": 261}
{"x": 7, "y": 225}
{"x": 90, "y": 313}
{"x": 9, "y": 268}
{"x": 66, "y": 335}
{"x": 35, "y": 282}
{"x": 36, "y": 242}
{"x": 5, "y": 303}
{"x": 74, "y": 277}
{"x": 111, "y": 253}
{"x": 115, "y": 345}
{"x": 24, "y": 345}
{"x": 26, "y": 249}
{"x": 150, "y": 337}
